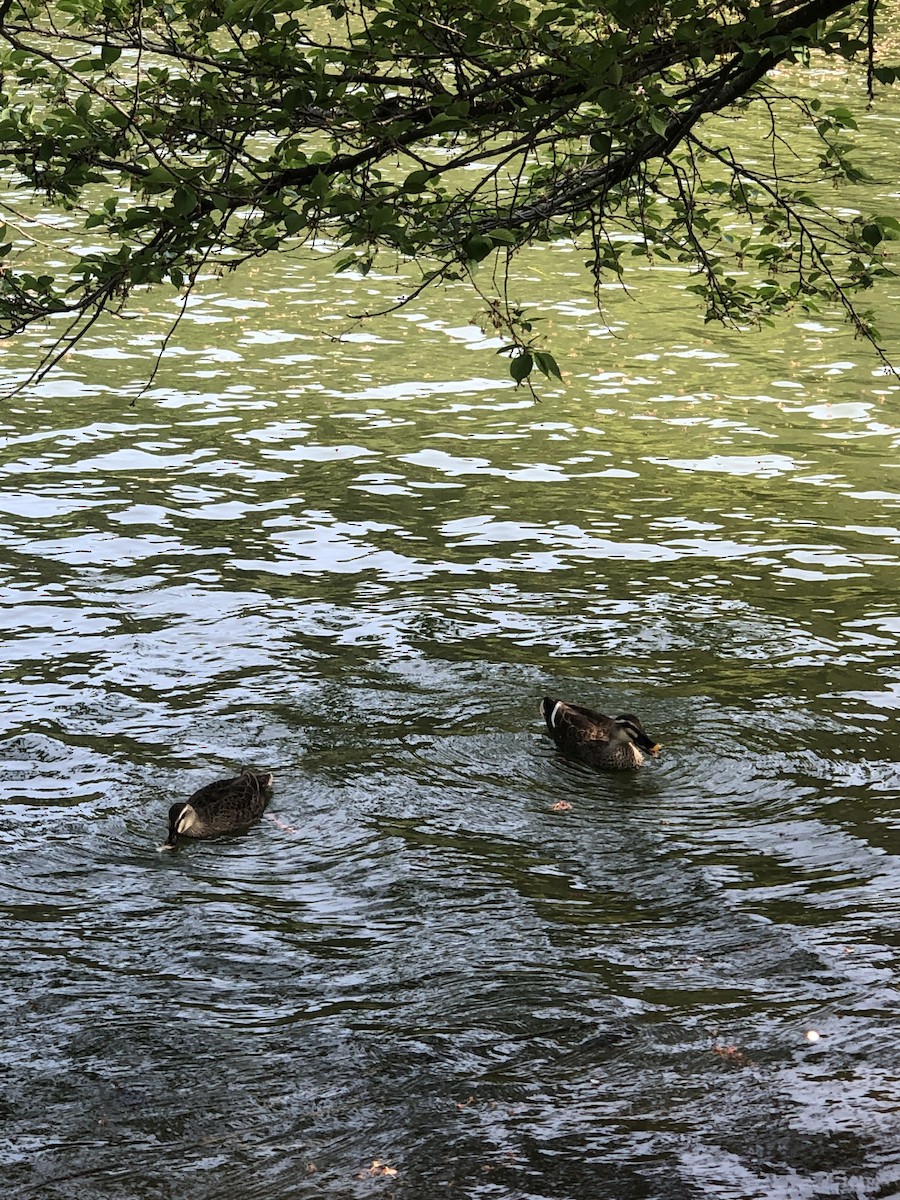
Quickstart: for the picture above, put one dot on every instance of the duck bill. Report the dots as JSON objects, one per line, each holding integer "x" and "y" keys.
{"x": 650, "y": 746}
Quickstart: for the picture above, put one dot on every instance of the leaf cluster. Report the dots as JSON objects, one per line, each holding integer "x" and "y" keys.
{"x": 188, "y": 134}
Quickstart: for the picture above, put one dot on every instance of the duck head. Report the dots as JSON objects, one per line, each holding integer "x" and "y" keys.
{"x": 181, "y": 817}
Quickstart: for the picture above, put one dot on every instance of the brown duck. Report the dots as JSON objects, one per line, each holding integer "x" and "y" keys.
{"x": 226, "y": 806}
{"x": 613, "y": 744}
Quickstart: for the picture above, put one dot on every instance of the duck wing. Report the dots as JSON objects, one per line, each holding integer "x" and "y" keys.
{"x": 572, "y": 723}
{"x": 230, "y": 803}
{"x": 213, "y": 792}
{"x": 255, "y": 791}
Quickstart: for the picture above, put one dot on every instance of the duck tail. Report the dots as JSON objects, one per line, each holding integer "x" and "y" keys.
{"x": 262, "y": 781}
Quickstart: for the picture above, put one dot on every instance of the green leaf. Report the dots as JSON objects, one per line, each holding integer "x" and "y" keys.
{"x": 658, "y": 122}
{"x": 444, "y": 123}
{"x": 844, "y": 117}
{"x": 320, "y": 186}
{"x": 417, "y": 181}
{"x": 520, "y": 365}
{"x": 478, "y": 247}
{"x": 158, "y": 179}
{"x": 184, "y": 201}
{"x": 292, "y": 220}
{"x": 546, "y": 364}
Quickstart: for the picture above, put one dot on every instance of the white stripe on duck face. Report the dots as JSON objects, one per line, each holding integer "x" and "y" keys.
{"x": 556, "y": 708}
{"x": 187, "y": 819}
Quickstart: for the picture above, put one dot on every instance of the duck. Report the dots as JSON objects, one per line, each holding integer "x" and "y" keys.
{"x": 611, "y": 743}
{"x": 226, "y": 806}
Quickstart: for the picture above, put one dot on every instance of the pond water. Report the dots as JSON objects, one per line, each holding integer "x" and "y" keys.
{"x": 361, "y": 565}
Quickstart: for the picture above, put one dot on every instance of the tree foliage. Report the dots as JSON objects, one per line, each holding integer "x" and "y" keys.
{"x": 185, "y": 134}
